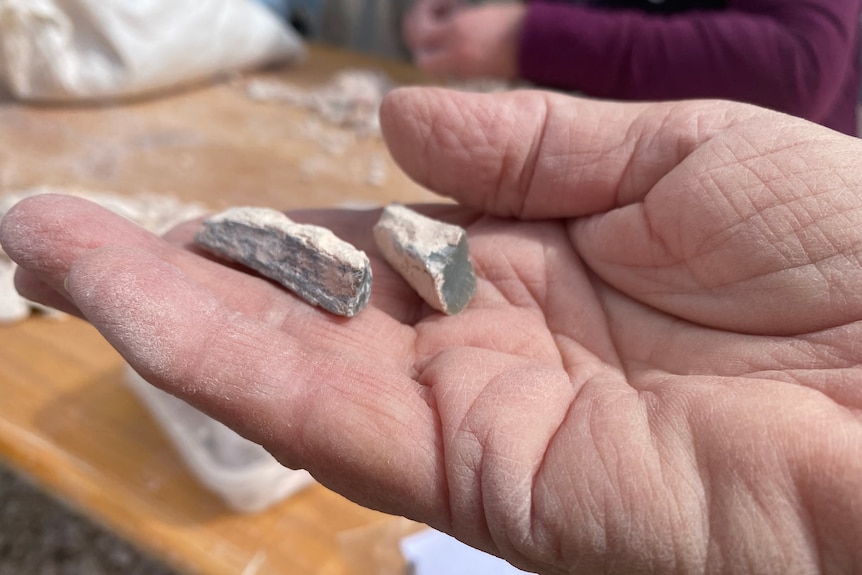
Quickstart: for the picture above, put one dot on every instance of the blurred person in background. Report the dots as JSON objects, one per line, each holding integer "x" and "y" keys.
{"x": 369, "y": 26}
{"x": 799, "y": 56}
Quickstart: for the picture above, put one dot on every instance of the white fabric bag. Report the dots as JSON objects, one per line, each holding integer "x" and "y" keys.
{"x": 62, "y": 50}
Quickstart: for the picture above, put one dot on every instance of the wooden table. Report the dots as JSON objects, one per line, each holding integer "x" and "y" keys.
{"x": 66, "y": 419}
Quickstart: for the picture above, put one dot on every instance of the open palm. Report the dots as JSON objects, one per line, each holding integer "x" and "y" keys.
{"x": 660, "y": 371}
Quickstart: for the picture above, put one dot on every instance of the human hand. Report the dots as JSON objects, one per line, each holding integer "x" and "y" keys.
{"x": 450, "y": 40}
{"x": 660, "y": 370}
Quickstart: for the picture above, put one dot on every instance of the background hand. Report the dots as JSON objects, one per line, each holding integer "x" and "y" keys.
{"x": 465, "y": 42}
{"x": 659, "y": 372}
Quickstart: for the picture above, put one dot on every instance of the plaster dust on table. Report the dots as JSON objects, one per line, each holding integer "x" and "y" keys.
{"x": 346, "y": 109}
{"x": 350, "y": 99}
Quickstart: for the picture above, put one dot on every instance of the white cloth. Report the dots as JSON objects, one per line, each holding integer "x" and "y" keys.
{"x": 56, "y": 50}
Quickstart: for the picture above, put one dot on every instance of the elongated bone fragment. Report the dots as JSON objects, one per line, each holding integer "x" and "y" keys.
{"x": 432, "y": 256}
{"x": 308, "y": 260}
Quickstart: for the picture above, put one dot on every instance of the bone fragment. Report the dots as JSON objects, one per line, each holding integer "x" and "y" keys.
{"x": 432, "y": 256}
{"x": 308, "y": 260}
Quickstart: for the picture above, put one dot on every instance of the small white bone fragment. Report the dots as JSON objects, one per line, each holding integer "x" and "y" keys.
{"x": 432, "y": 256}
{"x": 309, "y": 260}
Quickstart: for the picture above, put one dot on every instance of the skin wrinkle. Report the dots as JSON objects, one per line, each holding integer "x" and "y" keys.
{"x": 524, "y": 183}
{"x": 834, "y": 297}
{"x": 474, "y": 471}
{"x": 709, "y": 178}
{"x": 705, "y": 243}
{"x": 626, "y": 368}
{"x": 507, "y": 534}
{"x": 711, "y": 552}
{"x": 656, "y": 421}
{"x": 442, "y": 136}
{"x": 803, "y": 378}
{"x": 646, "y": 472}
{"x": 658, "y": 244}
{"x": 696, "y": 464}
{"x": 811, "y": 533}
{"x": 614, "y": 359}
{"x": 427, "y": 380}
{"x": 432, "y": 122}
{"x": 497, "y": 277}
{"x": 846, "y": 349}
{"x": 642, "y": 137}
{"x": 584, "y": 160}
{"x": 430, "y": 399}
{"x": 536, "y": 289}
{"x": 535, "y": 524}
{"x": 597, "y": 508}
{"x": 823, "y": 231}
{"x": 715, "y": 551}
{"x": 762, "y": 360}
{"x": 608, "y": 460}
{"x": 721, "y": 557}
{"x": 808, "y": 478}
{"x": 761, "y": 217}
{"x": 265, "y": 386}
{"x": 710, "y": 290}
{"x": 791, "y": 242}
{"x": 318, "y": 411}
{"x": 766, "y": 510}
{"x": 791, "y": 473}
{"x": 636, "y": 132}
{"x": 511, "y": 163}
{"x": 686, "y": 138}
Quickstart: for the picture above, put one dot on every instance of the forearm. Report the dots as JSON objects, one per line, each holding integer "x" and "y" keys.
{"x": 792, "y": 60}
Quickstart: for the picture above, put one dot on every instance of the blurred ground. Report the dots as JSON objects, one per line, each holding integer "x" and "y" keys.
{"x": 38, "y": 536}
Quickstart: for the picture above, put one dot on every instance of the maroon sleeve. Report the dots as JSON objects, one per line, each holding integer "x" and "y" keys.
{"x": 790, "y": 55}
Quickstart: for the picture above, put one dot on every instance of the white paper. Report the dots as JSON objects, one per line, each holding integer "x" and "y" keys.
{"x": 431, "y": 552}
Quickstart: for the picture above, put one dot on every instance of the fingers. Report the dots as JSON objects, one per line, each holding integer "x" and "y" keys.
{"x": 42, "y": 234}
{"x": 431, "y": 46}
{"x": 316, "y": 402}
{"x": 333, "y": 396}
{"x": 539, "y": 155}
{"x": 435, "y": 60}
{"x": 423, "y": 24}
{"x": 31, "y": 287}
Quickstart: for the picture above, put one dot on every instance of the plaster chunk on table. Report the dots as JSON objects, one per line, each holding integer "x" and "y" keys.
{"x": 432, "y": 256}
{"x": 309, "y": 260}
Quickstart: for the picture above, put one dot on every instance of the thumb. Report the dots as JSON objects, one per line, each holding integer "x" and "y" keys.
{"x": 533, "y": 154}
